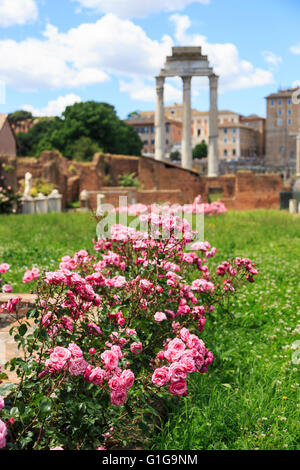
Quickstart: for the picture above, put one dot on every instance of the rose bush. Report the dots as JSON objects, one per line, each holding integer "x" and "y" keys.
{"x": 111, "y": 333}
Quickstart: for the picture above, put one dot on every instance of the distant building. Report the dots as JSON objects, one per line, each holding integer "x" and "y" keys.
{"x": 259, "y": 124}
{"x": 8, "y": 144}
{"x": 239, "y": 136}
{"x": 237, "y": 141}
{"x": 144, "y": 125}
{"x": 282, "y": 125}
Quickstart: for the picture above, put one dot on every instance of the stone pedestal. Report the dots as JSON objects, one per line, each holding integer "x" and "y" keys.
{"x": 54, "y": 201}
{"x": 186, "y": 145}
{"x": 160, "y": 120}
{"x": 213, "y": 157}
{"x": 84, "y": 200}
{"x": 41, "y": 204}
{"x": 28, "y": 205}
{"x": 293, "y": 206}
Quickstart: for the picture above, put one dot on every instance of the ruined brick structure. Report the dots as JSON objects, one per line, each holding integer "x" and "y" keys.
{"x": 160, "y": 181}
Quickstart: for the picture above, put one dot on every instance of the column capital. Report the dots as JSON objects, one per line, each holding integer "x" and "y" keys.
{"x": 213, "y": 80}
{"x": 186, "y": 80}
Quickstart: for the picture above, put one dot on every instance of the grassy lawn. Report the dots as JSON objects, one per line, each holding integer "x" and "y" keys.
{"x": 249, "y": 399}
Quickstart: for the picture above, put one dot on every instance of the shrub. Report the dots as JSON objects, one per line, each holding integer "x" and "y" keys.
{"x": 113, "y": 332}
{"x": 9, "y": 199}
{"x": 129, "y": 180}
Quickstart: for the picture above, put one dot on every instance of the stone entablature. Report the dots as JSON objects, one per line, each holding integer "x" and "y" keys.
{"x": 187, "y": 62}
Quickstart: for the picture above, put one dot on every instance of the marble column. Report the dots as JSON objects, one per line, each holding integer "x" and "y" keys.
{"x": 160, "y": 120}
{"x": 186, "y": 145}
{"x": 213, "y": 156}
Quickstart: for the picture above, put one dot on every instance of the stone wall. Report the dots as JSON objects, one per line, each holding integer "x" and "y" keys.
{"x": 160, "y": 181}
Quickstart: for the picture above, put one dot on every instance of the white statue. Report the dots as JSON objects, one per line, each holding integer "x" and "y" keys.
{"x": 28, "y": 184}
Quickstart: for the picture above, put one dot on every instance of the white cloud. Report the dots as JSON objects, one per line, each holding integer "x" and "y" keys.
{"x": 17, "y": 12}
{"x": 83, "y": 55}
{"x": 234, "y": 72}
{"x": 295, "y": 49}
{"x": 54, "y": 107}
{"x": 136, "y": 8}
{"x": 272, "y": 59}
{"x": 143, "y": 90}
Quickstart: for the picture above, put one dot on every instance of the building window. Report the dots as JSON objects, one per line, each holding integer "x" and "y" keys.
{"x": 167, "y": 127}
{"x": 279, "y": 102}
{"x": 233, "y": 130}
{"x": 289, "y": 102}
{"x": 281, "y": 149}
{"x": 279, "y": 122}
{"x": 234, "y": 140}
{"x": 145, "y": 142}
{"x": 279, "y": 112}
{"x": 233, "y": 152}
{"x": 290, "y": 112}
{"x": 225, "y": 131}
{"x": 292, "y": 155}
{"x": 289, "y": 121}
{"x": 152, "y": 129}
{"x": 152, "y": 142}
{"x": 167, "y": 141}
{"x": 225, "y": 140}
{"x": 225, "y": 152}
{"x": 272, "y": 103}
{"x": 198, "y": 132}
{"x": 146, "y": 130}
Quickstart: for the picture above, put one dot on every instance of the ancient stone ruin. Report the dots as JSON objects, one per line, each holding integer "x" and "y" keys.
{"x": 187, "y": 62}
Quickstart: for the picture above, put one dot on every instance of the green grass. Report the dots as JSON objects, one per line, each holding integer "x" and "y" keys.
{"x": 239, "y": 403}
{"x": 40, "y": 241}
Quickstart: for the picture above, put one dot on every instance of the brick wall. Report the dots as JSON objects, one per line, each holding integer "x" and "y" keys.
{"x": 161, "y": 181}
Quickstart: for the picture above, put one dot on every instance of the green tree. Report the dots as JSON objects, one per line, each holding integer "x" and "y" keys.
{"x": 18, "y": 116}
{"x": 200, "y": 150}
{"x": 36, "y": 139}
{"x": 84, "y": 149}
{"x": 91, "y": 120}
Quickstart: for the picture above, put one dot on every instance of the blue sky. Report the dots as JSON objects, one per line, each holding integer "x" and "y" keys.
{"x": 56, "y": 52}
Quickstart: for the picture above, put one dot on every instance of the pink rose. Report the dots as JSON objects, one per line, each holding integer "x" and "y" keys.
{"x": 75, "y": 351}
{"x": 127, "y": 377}
{"x": 195, "y": 342}
{"x": 7, "y": 288}
{"x": 2, "y": 404}
{"x": 115, "y": 383}
{"x": 28, "y": 276}
{"x": 160, "y": 316}
{"x": 184, "y": 334}
{"x": 77, "y": 366}
{"x": 177, "y": 372}
{"x": 3, "y": 434}
{"x": 188, "y": 363}
{"x": 161, "y": 376}
{"x": 4, "y": 267}
{"x": 178, "y": 388}
{"x": 110, "y": 359}
{"x": 58, "y": 360}
{"x": 118, "y": 397}
{"x": 136, "y": 348}
{"x": 96, "y": 376}
{"x": 57, "y": 448}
